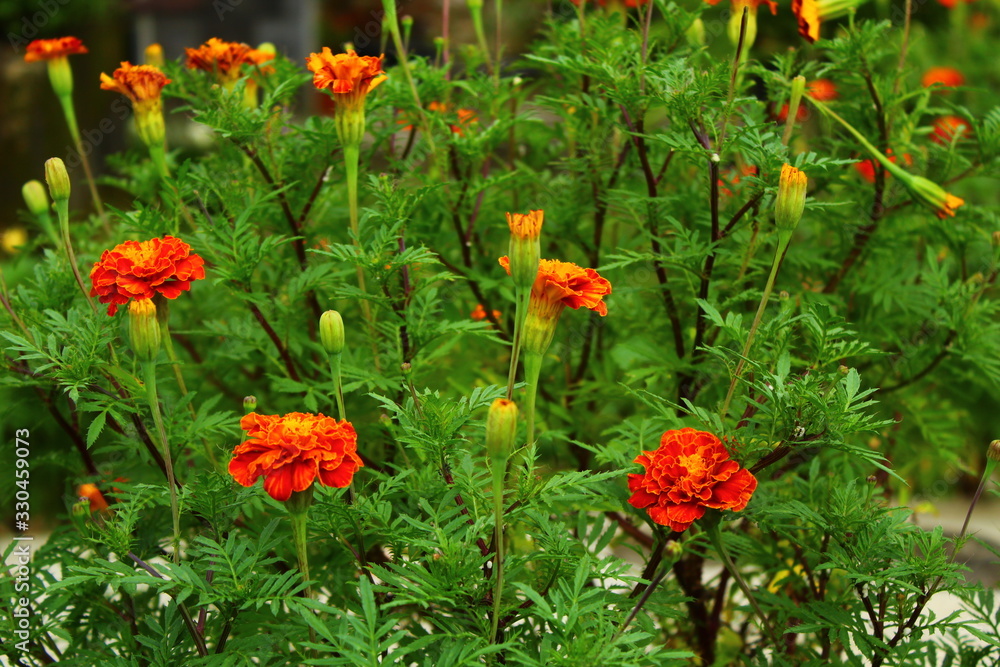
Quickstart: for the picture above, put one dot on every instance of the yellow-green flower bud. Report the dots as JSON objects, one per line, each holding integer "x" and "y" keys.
{"x": 154, "y": 55}
{"x": 331, "y": 332}
{"x": 249, "y": 404}
{"x": 993, "y": 452}
{"x": 695, "y": 33}
{"x": 35, "y": 198}
{"x": 791, "y": 200}
{"x": 501, "y": 429}
{"x": 58, "y": 179}
{"x": 795, "y": 98}
{"x": 525, "y": 249}
{"x": 143, "y": 329}
{"x": 735, "y": 23}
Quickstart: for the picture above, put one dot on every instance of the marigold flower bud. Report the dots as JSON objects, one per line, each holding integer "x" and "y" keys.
{"x": 993, "y": 452}
{"x": 525, "y": 250}
{"x": 695, "y": 33}
{"x": 35, "y": 198}
{"x": 795, "y": 98}
{"x": 791, "y": 200}
{"x": 331, "y": 332}
{"x": 249, "y": 404}
{"x": 736, "y": 22}
{"x": 58, "y": 179}
{"x": 143, "y": 329}
{"x": 154, "y": 55}
{"x": 501, "y": 429}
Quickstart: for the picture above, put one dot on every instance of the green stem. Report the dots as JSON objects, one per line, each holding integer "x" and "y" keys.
{"x": 299, "y": 521}
{"x": 499, "y": 45}
{"x": 66, "y": 101}
{"x": 520, "y": 315}
{"x": 338, "y": 386}
{"x": 158, "y": 154}
{"x": 532, "y": 369}
{"x": 149, "y": 377}
{"x": 783, "y": 239}
{"x": 499, "y": 466}
{"x": 477, "y": 25}
{"x": 62, "y": 211}
{"x": 715, "y": 536}
{"x": 168, "y": 346}
{"x": 352, "y": 156}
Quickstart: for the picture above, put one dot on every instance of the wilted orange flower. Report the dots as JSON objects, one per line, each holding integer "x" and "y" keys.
{"x": 867, "y": 167}
{"x": 689, "y": 472}
{"x": 291, "y": 451}
{"x": 94, "y": 495}
{"x": 224, "y": 59}
{"x": 562, "y": 284}
{"x": 141, "y": 270}
{"x": 50, "y": 49}
{"x": 140, "y": 83}
{"x": 948, "y": 77}
{"x": 347, "y": 75}
{"x": 946, "y": 128}
{"x": 479, "y": 313}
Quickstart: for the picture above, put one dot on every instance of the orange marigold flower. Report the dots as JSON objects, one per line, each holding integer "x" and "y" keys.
{"x": 94, "y": 495}
{"x": 140, "y": 83}
{"x": 946, "y": 128}
{"x": 50, "y": 49}
{"x": 141, "y": 270}
{"x": 823, "y": 90}
{"x": 224, "y": 59}
{"x": 479, "y": 313}
{"x": 347, "y": 75}
{"x": 291, "y": 451}
{"x": 811, "y": 13}
{"x": 689, "y": 471}
{"x": 561, "y": 284}
{"x": 949, "y": 77}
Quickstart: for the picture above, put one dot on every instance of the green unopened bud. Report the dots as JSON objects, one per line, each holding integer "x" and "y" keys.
{"x": 993, "y": 452}
{"x": 249, "y": 404}
{"x": 406, "y": 21}
{"x": 501, "y": 429}
{"x": 331, "y": 332}
{"x": 143, "y": 329}
{"x": 35, "y": 198}
{"x": 795, "y": 98}
{"x": 525, "y": 249}
{"x": 791, "y": 200}
{"x": 695, "y": 33}
{"x": 58, "y": 179}
{"x": 268, "y": 47}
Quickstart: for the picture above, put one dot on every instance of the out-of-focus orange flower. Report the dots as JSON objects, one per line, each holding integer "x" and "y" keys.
{"x": 50, "y": 49}
{"x": 949, "y": 77}
{"x": 561, "y": 284}
{"x": 811, "y": 13}
{"x": 465, "y": 118}
{"x": 94, "y": 495}
{"x": 950, "y": 4}
{"x": 291, "y": 451}
{"x": 867, "y": 167}
{"x": 142, "y": 84}
{"x": 822, "y": 90}
{"x": 143, "y": 269}
{"x": 479, "y": 313}
{"x": 735, "y": 178}
{"x": 224, "y": 59}
{"x": 946, "y": 128}
{"x": 689, "y": 472}
{"x": 347, "y": 75}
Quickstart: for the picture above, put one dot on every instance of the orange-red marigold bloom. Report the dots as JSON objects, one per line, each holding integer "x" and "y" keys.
{"x": 50, "y": 49}
{"x": 947, "y": 128}
{"x": 347, "y": 75}
{"x": 94, "y": 495}
{"x": 689, "y": 471}
{"x": 141, "y": 270}
{"x": 565, "y": 284}
{"x": 224, "y": 59}
{"x": 948, "y": 77}
{"x": 140, "y": 83}
{"x": 291, "y": 451}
